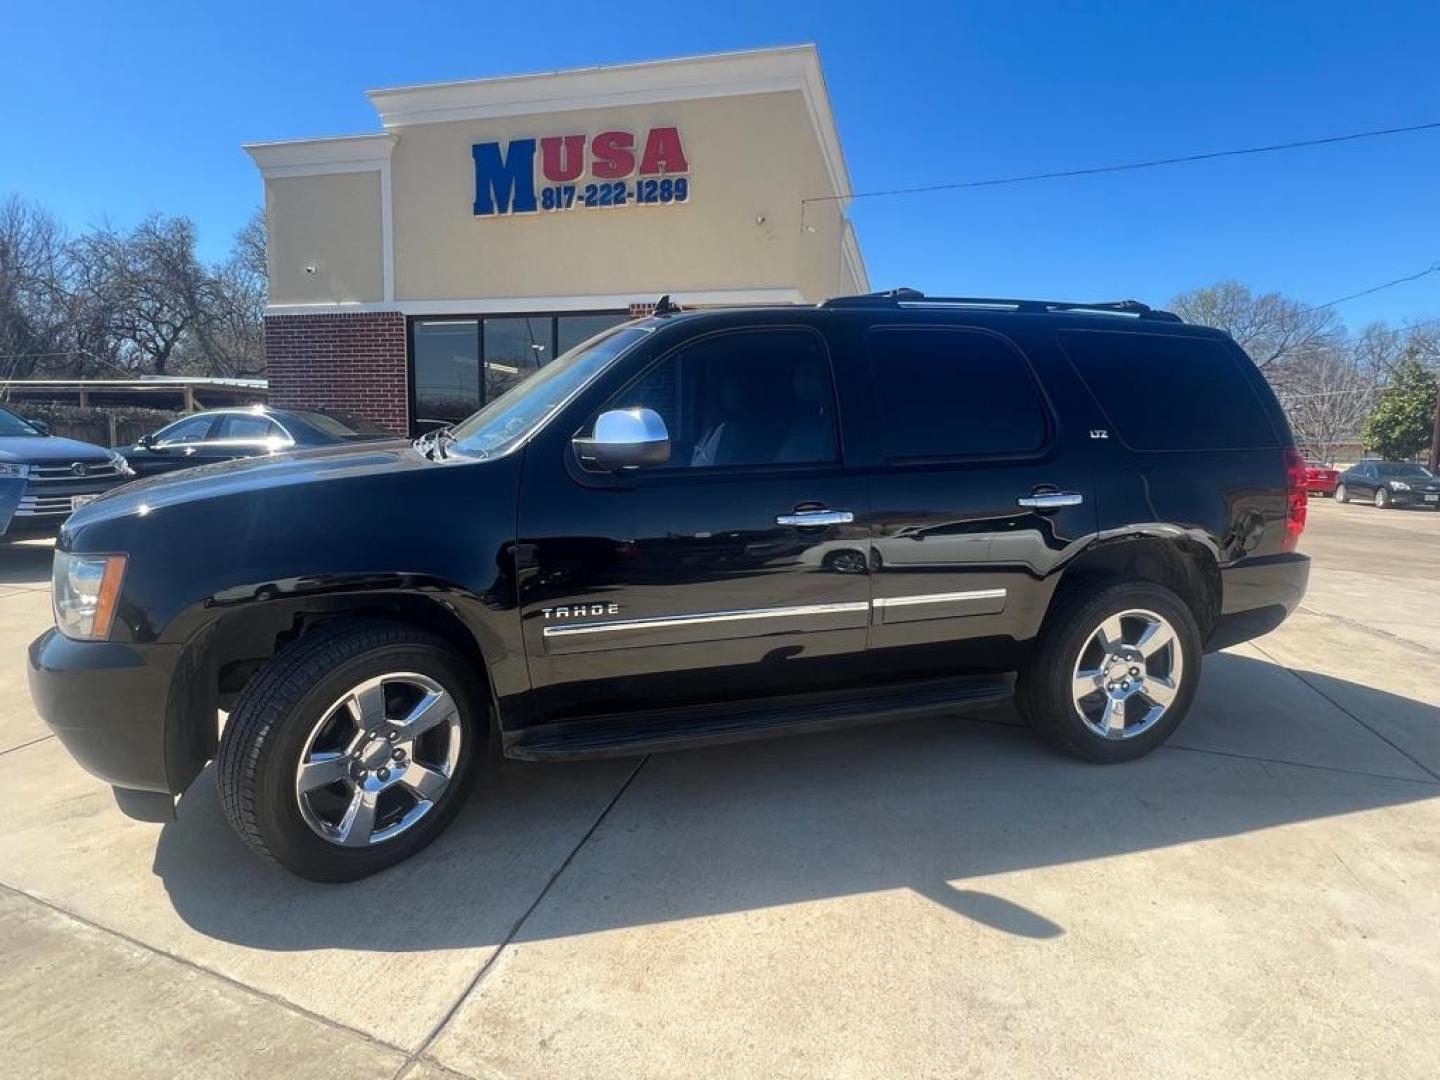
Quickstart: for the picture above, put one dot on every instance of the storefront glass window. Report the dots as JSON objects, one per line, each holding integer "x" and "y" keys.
{"x": 515, "y": 346}
{"x": 571, "y": 330}
{"x": 446, "y": 370}
{"x": 448, "y": 357}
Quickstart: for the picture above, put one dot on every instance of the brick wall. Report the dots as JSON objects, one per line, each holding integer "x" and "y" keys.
{"x": 352, "y": 362}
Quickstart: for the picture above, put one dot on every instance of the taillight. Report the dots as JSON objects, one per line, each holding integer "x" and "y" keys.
{"x": 1296, "y": 504}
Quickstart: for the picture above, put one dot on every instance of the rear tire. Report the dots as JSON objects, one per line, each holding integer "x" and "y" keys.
{"x": 330, "y": 763}
{"x": 1113, "y": 672}
{"x": 1341, "y": 495}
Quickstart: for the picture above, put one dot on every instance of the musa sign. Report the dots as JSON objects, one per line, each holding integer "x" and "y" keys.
{"x": 563, "y": 172}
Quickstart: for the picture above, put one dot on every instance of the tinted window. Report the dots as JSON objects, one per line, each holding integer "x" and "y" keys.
{"x": 239, "y": 427}
{"x": 1392, "y": 470}
{"x": 191, "y": 429}
{"x": 756, "y": 397}
{"x": 447, "y": 369}
{"x": 515, "y": 346}
{"x": 953, "y": 393}
{"x": 1163, "y": 392}
{"x": 573, "y": 329}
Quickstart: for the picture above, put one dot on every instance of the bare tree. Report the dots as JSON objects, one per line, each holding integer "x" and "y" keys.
{"x": 1327, "y": 394}
{"x": 1270, "y": 327}
{"x": 33, "y": 295}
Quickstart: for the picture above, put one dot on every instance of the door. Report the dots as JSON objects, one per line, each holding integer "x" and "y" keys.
{"x": 737, "y": 569}
{"x": 978, "y": 494}
{"x": 1360, "y": 482}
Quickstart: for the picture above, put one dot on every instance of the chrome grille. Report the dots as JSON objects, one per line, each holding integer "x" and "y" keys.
{"x": 94, "y": 470}
{"x": 41, "y": 505}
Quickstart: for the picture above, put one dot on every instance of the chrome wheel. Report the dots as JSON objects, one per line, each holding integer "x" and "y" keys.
{"x": 1127, "y": 674}
{"x": 379, "y": 759}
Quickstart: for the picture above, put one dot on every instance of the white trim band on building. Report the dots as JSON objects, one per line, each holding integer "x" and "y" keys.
{"x": 524, "y": 304}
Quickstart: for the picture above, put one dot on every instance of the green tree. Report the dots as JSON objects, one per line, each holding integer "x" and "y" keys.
{"x": 1401, "y": 424}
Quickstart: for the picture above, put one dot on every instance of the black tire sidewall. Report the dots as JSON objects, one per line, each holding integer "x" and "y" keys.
{"x": 1043, "y": 690}
{"x": 287, "y": 836}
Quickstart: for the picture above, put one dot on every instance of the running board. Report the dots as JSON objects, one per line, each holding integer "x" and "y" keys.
{"x": 623, "y": 734}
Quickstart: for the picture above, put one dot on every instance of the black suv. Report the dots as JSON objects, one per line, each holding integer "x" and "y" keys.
{"x": 696, "y": 528}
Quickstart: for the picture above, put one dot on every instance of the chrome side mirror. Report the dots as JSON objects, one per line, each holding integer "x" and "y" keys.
{"x": 625, "y": 439}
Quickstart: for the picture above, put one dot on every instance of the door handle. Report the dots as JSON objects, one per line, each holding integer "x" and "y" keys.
{"x": 816, "y": 517}
{"x": 1052, "y": 500}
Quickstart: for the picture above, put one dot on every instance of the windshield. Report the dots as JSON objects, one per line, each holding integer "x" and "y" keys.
{"x": 503, "y": 423}
{"x": 1392, "y": 470}
{"x": 10, "y": 424}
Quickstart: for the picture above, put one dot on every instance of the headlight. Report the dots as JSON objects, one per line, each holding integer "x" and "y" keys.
{"x": 8, "y": 469}
{"x": 1399, "y": 485}
{"x": 121, "y": 465}
{"x": 85, "y": 591}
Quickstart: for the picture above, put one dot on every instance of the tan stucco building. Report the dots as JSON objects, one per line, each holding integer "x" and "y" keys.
{"x": 493, "y": 224}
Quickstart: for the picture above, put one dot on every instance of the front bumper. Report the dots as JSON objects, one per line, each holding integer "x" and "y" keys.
{"x": 108, "y": 703}
{"x": 1258, "y": 594}
{"x": 1415, "y": 498}
{"x": 42, "y": 506}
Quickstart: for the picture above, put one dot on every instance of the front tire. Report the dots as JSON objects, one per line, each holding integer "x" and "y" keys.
{"x": 1382, "y": 498}
{"x": 1113, "y": 672}
{"x": 352, "y": 749}
{"x": 1341, "y": 495}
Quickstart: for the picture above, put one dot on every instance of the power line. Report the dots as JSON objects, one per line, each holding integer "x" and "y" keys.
{"x": 1130, "y": 165}
{"x": 1431, "y": 269}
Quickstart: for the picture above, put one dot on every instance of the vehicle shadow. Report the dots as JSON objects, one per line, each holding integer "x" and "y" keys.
{"x": 935, "y": 806}
{"x": 26, "y": 562}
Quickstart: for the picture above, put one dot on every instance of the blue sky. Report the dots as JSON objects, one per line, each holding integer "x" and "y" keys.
{"x": 118, "y": 110}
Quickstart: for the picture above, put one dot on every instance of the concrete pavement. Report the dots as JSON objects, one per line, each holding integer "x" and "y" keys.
{"x": 939, "y": 898}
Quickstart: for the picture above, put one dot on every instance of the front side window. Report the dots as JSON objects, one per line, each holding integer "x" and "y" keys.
{"x": 754, "y": 397}
{"x": 192, "y": 429}
{"x": 953, "y": 393}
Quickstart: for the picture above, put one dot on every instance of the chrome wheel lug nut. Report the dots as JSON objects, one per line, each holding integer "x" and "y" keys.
{"x": 384, "y": 774}
{"x": 398, "y": 755}
{"x": 1134, "y": 671}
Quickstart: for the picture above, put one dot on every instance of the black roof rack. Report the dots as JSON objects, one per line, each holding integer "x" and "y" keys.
{"x": 905, "y": 297}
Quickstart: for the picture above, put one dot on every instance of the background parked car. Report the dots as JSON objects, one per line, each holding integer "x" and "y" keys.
{"x": 43, "y": 478}
{"x": 1390, "y": 483}
{"x": 1320, "y": 479}
{"x": 226, "y": 434}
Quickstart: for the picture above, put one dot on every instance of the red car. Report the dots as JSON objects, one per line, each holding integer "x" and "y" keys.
{"x": 1320, "y": 480}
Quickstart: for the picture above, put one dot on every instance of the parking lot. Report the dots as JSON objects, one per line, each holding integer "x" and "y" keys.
{"x": 938, "y": 898}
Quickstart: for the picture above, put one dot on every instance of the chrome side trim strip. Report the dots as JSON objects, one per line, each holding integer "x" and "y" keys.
{"x": 939, "y": 598}
{"x": 662, "y": 621}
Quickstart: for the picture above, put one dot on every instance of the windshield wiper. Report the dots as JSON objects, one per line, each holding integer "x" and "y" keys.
{"x": 433, "y": 443}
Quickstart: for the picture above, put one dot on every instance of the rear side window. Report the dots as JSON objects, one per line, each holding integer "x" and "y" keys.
{"x": 947, "y": 393}
{"x": 243, "y": 428}
{"x": 1164, "y": 392}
